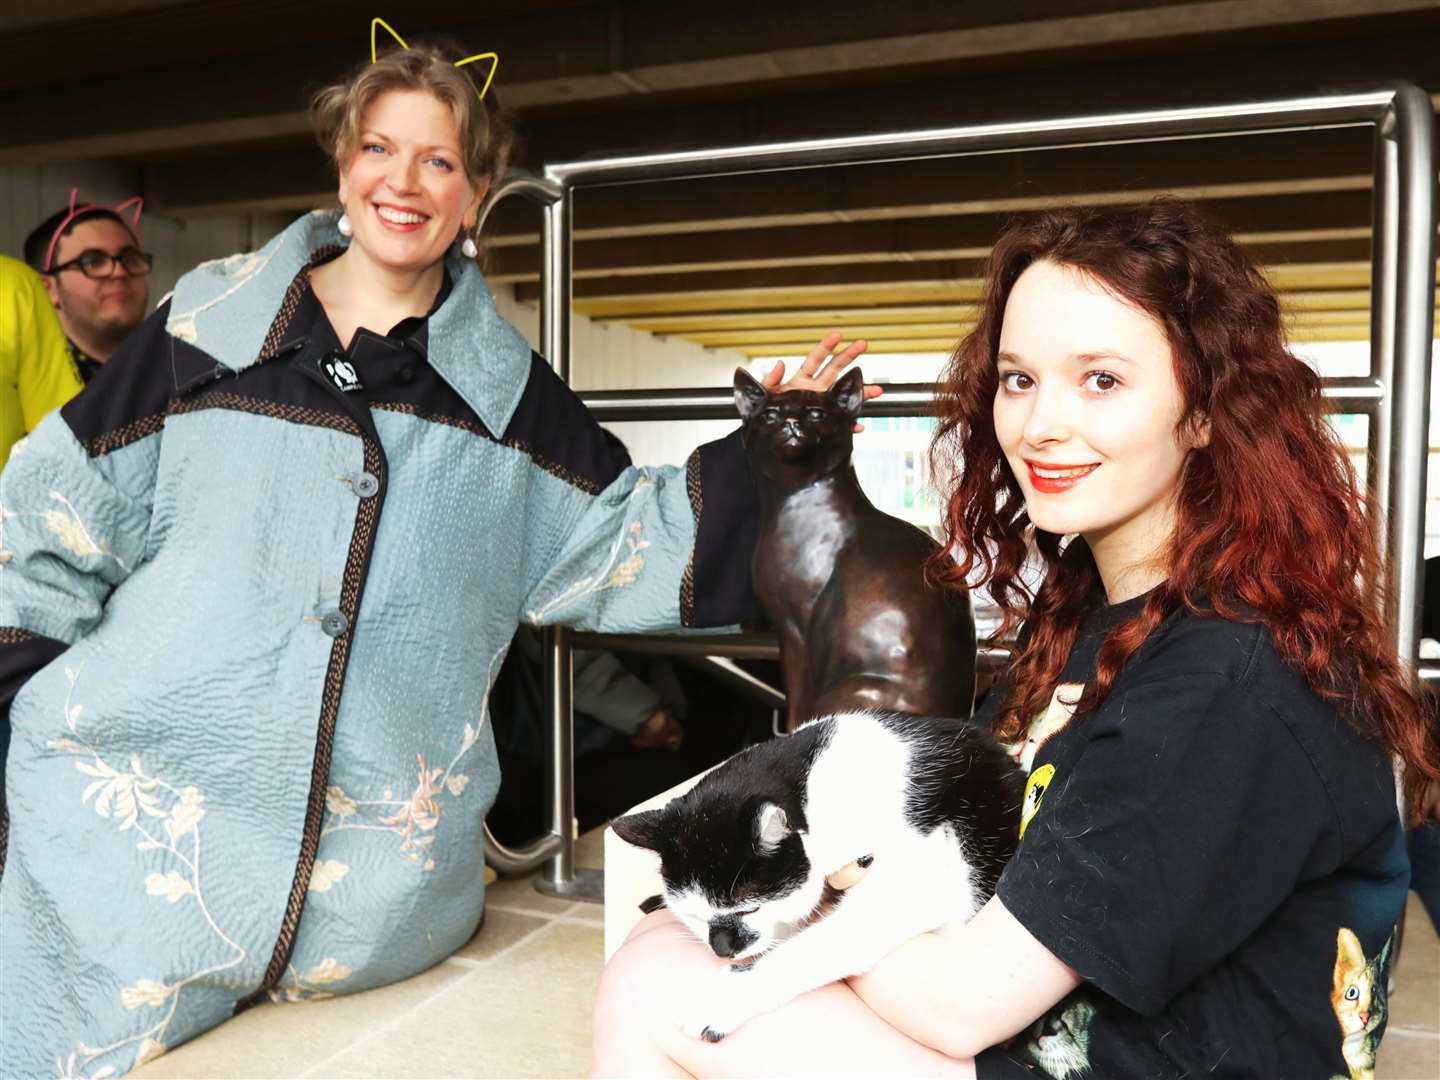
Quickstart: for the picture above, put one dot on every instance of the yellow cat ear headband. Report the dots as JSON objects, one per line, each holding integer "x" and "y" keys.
{"x": 378, "y": 23}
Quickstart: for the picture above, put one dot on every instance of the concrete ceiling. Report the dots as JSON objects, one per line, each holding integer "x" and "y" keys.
{"x": 208, "y": 101}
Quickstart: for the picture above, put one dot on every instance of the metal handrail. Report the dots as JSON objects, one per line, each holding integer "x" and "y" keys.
{"x": 1403, "y": 283}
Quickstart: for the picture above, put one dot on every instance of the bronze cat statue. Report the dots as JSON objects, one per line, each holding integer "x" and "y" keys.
{"x": 842, "y": 582}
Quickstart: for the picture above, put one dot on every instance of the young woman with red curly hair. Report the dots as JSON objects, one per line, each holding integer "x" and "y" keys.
{"x": 1211, "y": 863}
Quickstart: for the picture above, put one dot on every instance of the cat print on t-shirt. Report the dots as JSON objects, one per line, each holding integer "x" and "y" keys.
{"x": 1056, "y": 715}
{"x": 1058, "y": 1044}
{"x": 1359, "y": 1001}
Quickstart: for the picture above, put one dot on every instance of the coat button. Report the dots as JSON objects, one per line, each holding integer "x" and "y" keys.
{"x": 405, "y": 375}
{"x": 334, "y": 623}
{"x": 365, "y": 484}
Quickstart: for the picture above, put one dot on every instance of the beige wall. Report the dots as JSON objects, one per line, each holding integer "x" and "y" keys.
{"x": 609, "y": 356}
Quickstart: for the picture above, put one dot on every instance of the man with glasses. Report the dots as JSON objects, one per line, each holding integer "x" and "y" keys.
{"x": 94, "y": 271}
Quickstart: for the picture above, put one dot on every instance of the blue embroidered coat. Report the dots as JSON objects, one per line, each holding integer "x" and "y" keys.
{"x": 249, "y": 619}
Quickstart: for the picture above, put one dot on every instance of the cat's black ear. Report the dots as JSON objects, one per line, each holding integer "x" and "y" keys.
{"x": 771, "y": 826}
{"x": 750, "y": 396}
{"x": 849, "y": 393}
{"x": 645, "y": 829}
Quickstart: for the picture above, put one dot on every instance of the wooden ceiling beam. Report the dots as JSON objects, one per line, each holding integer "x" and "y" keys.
{"x": 296, "y": 176}
{"x": 1290, "y": 219}
{"x": 218, "y": 74}
{"x": 952, "y": 288}
{"x": 1356, "y": 302}
{"x": 293, "y": 173}
{"x": 626, "y": 308}
{"x": 655, "y": 47}
{"x": 1150, "y": 81}
{"x": 944, "y": 271}
{"x": 1352, "y": 331}
{"x": 876, "y": 333}
{"x": 835, "y": 318}
{"x": 881, "y": 334}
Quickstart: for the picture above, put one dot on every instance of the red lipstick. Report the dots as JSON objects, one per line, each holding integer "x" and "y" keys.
{"x": 1054, "y": 485}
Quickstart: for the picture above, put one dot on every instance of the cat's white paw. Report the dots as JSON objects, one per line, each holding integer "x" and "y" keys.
{"x": 721, "y": 1004}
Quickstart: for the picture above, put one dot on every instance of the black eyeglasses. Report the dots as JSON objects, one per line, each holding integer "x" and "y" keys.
{"x": 94, "y": 263}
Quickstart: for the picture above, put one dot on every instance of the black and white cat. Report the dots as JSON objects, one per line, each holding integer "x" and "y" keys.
{"x": 928, "y": 807}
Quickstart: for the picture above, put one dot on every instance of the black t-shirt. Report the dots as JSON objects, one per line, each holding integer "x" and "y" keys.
{"x": 1218, "y": 854}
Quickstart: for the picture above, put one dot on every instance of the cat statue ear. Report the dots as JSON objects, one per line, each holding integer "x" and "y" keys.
{"x": 771, "y": 826}
{"x": 750, "y": 396}
{"x": 849, "y": 393}
{"x": 645, "y": 829}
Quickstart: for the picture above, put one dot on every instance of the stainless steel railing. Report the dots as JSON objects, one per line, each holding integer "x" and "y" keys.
{"x": 1394, "y": 395}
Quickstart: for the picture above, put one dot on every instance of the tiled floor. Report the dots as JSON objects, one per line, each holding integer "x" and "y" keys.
{"x": 1411, "y": 1047}
{"x": 516, "y": 1003}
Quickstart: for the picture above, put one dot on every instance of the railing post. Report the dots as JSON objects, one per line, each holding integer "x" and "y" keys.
{"x": 560, "y": 876}
{"x": 558, "y": 844}
{"x": 1403, "y": 322}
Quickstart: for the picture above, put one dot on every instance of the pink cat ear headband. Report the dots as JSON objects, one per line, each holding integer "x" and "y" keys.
{"x": 135, "y": 204}
{"x": 379, "y": 24}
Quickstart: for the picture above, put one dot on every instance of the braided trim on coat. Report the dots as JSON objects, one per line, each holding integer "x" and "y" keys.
{"x": 294, "y": 414}
{"x": 554, "y": 468}
{"x": 697, "y": 507}
{"x": 280, "y": 325}
{"x": 123, "y": 436}
{"x": 544, "y": 464}
{"x": 435, "y": 418}
{"x": 367, "y": 516}
{"x": 299, "y": 286}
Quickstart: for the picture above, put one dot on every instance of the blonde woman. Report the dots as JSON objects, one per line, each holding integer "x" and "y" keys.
{"x": 258, "y": 577}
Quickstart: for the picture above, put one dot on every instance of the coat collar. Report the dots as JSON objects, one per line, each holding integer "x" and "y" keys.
{"x": 225, "y": 309}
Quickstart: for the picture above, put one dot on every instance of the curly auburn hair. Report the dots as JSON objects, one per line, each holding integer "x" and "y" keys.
{"x": 1270, "y": 526}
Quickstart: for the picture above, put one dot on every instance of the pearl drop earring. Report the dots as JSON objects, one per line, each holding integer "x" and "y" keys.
{"x": 468, "y": 248}
{"x": 344, "y": 225}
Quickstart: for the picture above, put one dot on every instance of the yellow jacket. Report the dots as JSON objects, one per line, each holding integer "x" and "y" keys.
{"x": 36, "y": 372}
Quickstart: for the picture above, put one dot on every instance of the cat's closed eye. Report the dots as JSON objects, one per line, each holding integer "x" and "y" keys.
{"x": 770, "y": 415}
{"x": 815, "y": 416}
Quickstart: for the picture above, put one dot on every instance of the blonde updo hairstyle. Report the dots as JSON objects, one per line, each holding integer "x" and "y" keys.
{"x": 485, "y": 129}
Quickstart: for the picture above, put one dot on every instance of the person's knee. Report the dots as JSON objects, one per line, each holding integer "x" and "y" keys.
{"x": 632, "y": 975}
{"x": 618, "y": 979}
{"x": 628, "y": 1002}
{"x": 640, "y": 979}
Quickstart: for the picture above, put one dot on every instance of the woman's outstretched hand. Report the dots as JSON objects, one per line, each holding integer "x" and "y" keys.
{"x": 821, "y": 367}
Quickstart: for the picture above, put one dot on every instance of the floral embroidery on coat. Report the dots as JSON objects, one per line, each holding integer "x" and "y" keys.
{"x": 67, "y": 527}
{"x": 413, "y": 819}
{"x": 622, "y": 566}
{"x": 165, "y": 819}
{"x": 303, "y": 988}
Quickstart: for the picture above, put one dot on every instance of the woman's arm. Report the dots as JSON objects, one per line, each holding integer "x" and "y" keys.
{"x": 960, "y": 991}
{"x": 75, "y": 505}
